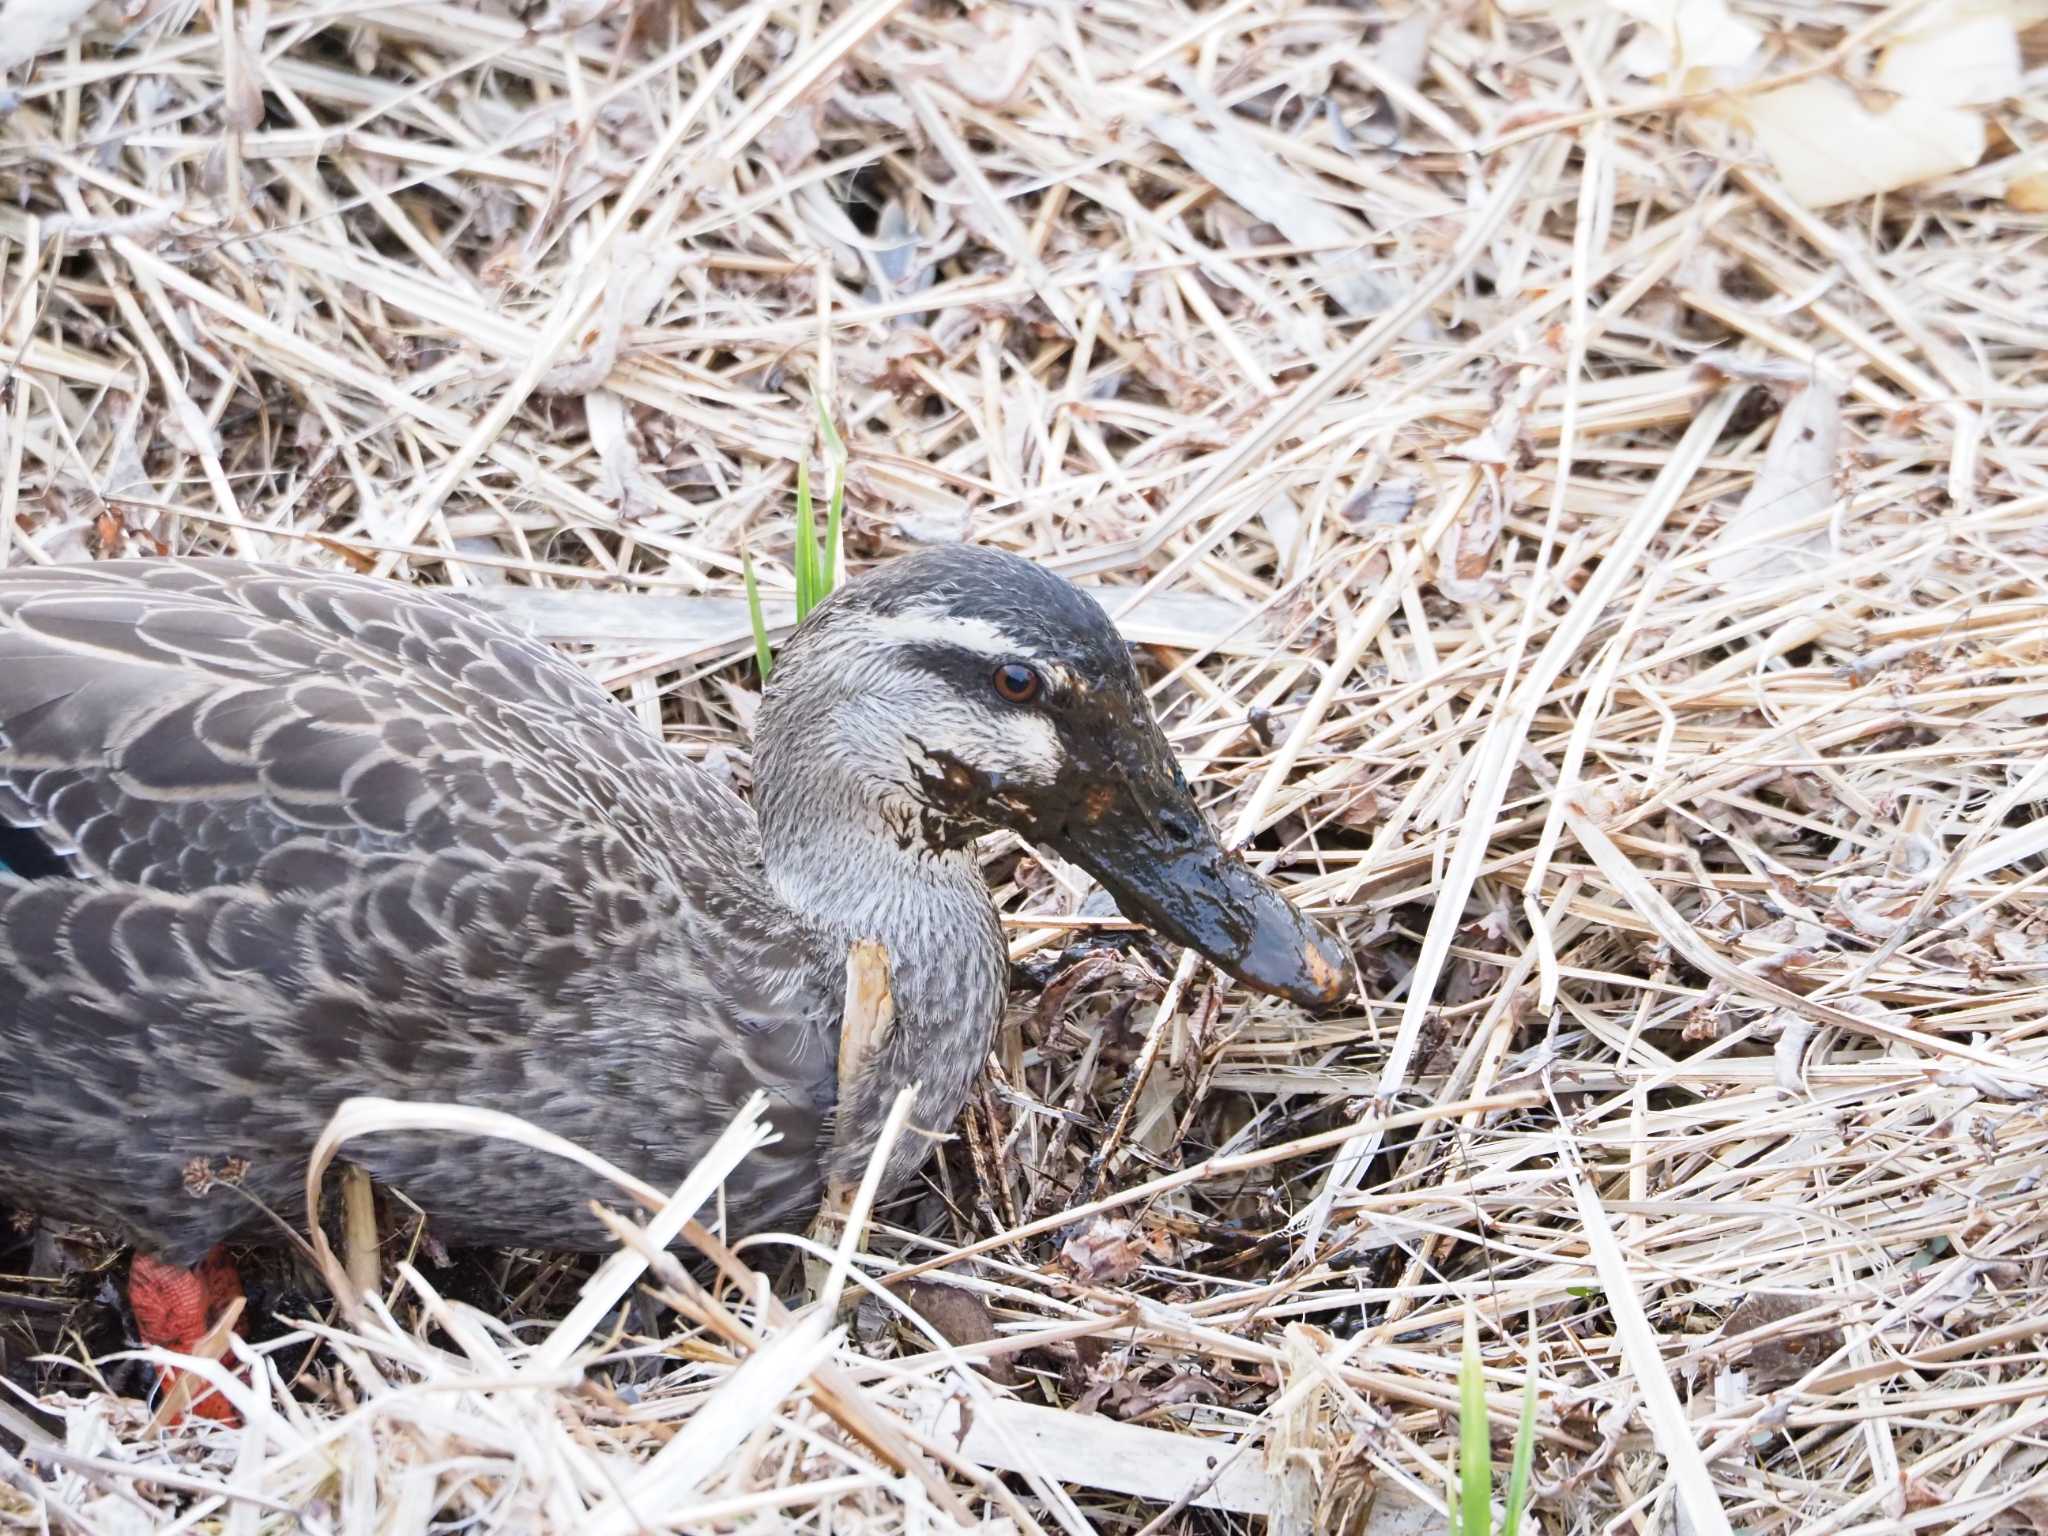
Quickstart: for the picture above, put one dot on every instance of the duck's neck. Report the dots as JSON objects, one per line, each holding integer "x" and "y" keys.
{"x": 835, "y": 861}
{"x": 842, "y": 869}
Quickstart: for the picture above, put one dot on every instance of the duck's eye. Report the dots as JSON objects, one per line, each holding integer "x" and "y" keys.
{"x": 1017, "y": 682}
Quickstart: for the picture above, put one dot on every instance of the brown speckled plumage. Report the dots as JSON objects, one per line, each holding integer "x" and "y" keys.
{"x": 280, "y": 838}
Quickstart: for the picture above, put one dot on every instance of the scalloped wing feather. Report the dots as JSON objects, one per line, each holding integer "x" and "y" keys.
{"x": 328, "y": 836}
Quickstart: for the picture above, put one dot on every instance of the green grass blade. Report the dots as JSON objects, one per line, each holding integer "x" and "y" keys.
{"x": 835, "y": 449}
{"x": 805, "y": 555}
{"x": 832, "y": 530}
{"x": 1475, "y": 1443}
{"x": 762, "y": 655}
{"x": 834, "y": 445}
{"x": 1525, "y": 1443}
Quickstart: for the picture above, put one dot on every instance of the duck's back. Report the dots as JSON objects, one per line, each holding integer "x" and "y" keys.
{"x": 271, "y": 839}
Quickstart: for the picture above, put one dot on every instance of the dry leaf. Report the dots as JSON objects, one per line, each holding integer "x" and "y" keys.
{"x": 1687, "y": 43}
{"x": 1796, "y": 480}
{"x": 1226, "y": 155}
{"x": 1110, "y": 1249}
{"x": 1807, "y": 130}
{"x": 1402, "y": 49}
{"x": 625, "y": 480}
{"x": 641, "y": 271}
{"x": 1383, "y": 504}
{"x": 2034, "y": 1510}
{"x": 792, "y": 139}
{"x": 1829, "y": 145}
{"x": 2028, "y": 194}
{"x": 960, "y": 1317}
{"x": 1463, "y": 577}
{"x": 990, "y": 67}
{"x": 1954, "y": 55}
{"x": 31, "y": 27}
{"x": 1792, "y": 1348}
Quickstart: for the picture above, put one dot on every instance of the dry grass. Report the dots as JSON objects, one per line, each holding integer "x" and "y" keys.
{"x": 1615, "y": 593}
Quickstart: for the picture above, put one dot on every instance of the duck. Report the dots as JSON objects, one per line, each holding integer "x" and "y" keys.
{"x": 273, "y": 837}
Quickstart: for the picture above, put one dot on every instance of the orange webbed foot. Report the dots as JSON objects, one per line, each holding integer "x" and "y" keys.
{"x": 177, "y": 1309}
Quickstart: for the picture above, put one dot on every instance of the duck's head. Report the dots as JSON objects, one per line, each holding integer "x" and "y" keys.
{"x": 958, "y": 690}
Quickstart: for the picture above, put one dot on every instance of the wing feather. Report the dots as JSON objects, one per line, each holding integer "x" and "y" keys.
{"x": 328, "y": 835}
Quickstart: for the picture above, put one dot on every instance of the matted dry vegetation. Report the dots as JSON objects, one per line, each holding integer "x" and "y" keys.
{"x": 1614, "y": 593}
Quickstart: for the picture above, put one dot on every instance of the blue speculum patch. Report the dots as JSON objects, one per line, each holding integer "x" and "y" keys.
{"x": 24, "y": 853}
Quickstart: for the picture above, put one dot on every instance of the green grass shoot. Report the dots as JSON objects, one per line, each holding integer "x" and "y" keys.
{"x": 1472, "y": 1502}
{"x": 1525, "y": 1445}
{"x": 816, "y": 568}
{"x": 762, "y": 654}
{"x": 835, "y": 449}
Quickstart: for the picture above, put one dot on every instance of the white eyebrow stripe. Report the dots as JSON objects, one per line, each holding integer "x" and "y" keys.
{"x": 946, "y": 629}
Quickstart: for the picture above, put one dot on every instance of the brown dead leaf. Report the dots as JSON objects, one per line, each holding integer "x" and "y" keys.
{"x": 1788, "y": 1348}
{"x": 2033, "y": 1509}
{"x": 2028, "y": 194}
{"x": 1112, "y": 1249}
{"x": 960, "y": 1317}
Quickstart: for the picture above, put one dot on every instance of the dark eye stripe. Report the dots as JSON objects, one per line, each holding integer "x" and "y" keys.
{"x": 971, "y": 672}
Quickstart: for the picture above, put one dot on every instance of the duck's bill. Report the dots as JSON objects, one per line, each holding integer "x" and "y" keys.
{"x": 1175, "y": 878}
